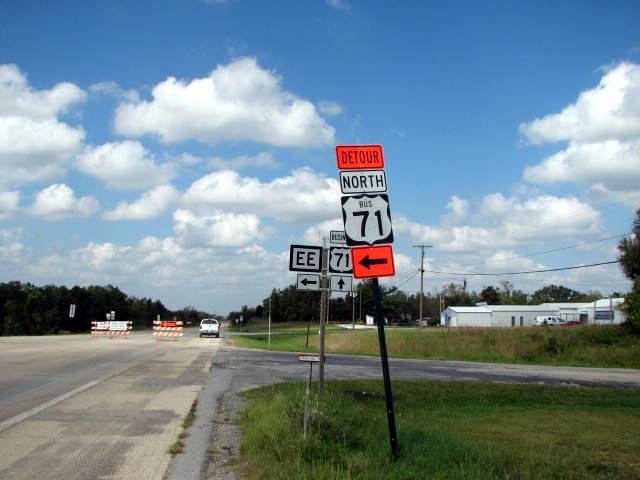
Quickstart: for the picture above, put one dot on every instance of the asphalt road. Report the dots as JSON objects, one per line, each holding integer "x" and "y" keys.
{"x": 76, "y": 408}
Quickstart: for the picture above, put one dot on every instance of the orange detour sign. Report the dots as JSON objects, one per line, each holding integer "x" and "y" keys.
{"x": 357, "y": 157}
{"x": 370, "y": 262}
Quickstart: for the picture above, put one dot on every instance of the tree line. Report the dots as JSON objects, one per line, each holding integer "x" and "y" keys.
{"x": 27, "y": 309}
{"x": 290, "y": 305}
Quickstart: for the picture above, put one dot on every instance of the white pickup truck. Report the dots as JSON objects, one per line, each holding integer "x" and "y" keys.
{"x": 209, "y": 326}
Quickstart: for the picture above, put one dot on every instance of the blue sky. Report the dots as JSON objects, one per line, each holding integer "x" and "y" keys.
{"x": 177, "y": 148}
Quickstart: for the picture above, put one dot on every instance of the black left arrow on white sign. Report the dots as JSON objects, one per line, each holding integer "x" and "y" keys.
{"x": 308, "y": 282}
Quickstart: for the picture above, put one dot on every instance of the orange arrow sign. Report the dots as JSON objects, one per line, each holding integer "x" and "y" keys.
{"x": 370, "y": 262}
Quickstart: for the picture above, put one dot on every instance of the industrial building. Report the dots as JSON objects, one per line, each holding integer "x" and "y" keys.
{"x": 601, "y": 312}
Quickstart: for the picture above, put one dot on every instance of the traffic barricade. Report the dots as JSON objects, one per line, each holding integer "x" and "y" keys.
{"x": 111, "y": 329}
{"x": 167, "y": 329}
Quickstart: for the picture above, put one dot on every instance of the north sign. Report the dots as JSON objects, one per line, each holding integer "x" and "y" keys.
{"x": 370, "y": 262}
{"x": 340, "y": 260}
{"x": 305, "y": 258}
{"x": 367, "y": 219}
{"x": 309, "y": 282}
{"x": 341, "y": 283}
{"x": 359, "y": 157}
{"x": 363, "y": 181}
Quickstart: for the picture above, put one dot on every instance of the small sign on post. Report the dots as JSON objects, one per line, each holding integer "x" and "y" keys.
{"x": 72, "y": 310}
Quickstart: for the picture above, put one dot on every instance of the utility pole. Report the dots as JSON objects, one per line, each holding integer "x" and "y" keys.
{"x": 421, "y": 247}
{"x": 353, "y": 309}
{"x": 270, "y": 295}
{"x": 324, "y": 287}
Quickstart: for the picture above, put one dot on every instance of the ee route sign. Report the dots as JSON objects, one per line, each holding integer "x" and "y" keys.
{"x": 305, "y": 258}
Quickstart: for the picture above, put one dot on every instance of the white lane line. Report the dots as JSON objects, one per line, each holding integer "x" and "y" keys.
{"x": 54, "y": 401}
{"x": 29, "y": 413}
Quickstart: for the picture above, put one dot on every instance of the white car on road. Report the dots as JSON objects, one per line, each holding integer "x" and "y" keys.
{"x": 209, "y": 326}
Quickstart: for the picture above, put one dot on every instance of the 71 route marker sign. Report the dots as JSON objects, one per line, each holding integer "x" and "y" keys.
{"x": 367, "y": 219}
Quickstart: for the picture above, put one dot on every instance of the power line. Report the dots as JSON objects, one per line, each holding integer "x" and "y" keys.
{"x": 409, "y": 278}
{"x": 523, "y": 273}
{"x": 548, "y": 251}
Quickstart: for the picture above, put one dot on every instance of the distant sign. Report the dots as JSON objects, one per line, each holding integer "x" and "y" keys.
{"x": 309, "y": 282}
{"x": 369, "y": 262}
{"x": 359, "y": 157}
{"x": 363, "y": 181}
{"x": 367, "y": 219}
{"x": 337, "y": 237}
{"x": 305, "y": 258}
{"x": 604, "y": 315}
{"x": 309, "y": 357}
{"x": 341, "y": 283}
{"x": 102, "y": 325}
{"x": 340, "y": 260}
{"x": 118, "y": 326}
{"x": 72, "y": 310}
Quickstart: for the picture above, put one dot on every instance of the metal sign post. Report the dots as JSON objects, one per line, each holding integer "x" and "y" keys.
{"x": 388, "y": 395}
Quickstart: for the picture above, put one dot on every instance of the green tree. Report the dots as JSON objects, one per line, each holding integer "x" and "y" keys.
{"x": 629, "y": 257}
{"x": 490, "y": 295}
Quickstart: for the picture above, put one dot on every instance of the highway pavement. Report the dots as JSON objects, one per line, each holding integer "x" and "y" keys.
{"x": 72, "y": 407}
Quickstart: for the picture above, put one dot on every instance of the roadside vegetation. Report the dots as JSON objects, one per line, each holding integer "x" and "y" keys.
{"x": 446, "y": 430}
{"x": 27, "y": 309}
{"x": 586, "y": 346}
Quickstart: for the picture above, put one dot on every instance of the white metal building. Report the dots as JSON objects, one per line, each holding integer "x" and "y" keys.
{"x": 495, "y": 315}
{"x": 601, "y": 312}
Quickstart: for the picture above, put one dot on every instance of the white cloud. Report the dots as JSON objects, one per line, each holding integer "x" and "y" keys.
{"x": 610, "y": 110}
{"x": 303, "y": 196}
{"x": 236, "y": 102}
{"x": 458, "y": 206}
{"x": 114, "y": 90}
{"x": 125, "y": 166}
{"x": 330, "y": 108}
{"x": 315, "y": 233}
{"x": 220, "y": 229}
{"x": 339, "y": 4}
{"x": 262, "y": 160}
{"x": 508, "y": 223}
{"x": 603, "y": 131}
{"x": 58, "y": 201}
{"x": 151, "y": 204}
{"x": 34, "y": 144}
{"x": 8, "y": 203}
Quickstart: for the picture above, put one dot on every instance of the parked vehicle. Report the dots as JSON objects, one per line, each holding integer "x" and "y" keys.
{"x": 549, "y": 321}
{"x": 209, "y": 326}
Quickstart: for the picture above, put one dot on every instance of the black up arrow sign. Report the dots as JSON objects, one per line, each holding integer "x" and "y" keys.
{"x": 366, "y": 262}
{"x": 306, "y": 281}
{"x": 341, "y": 284}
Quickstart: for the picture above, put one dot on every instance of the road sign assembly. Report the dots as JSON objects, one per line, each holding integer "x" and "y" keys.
{"x": 167, "y": 328}
{"x": 363, "y": 181}
{"x": 340, "y": 260}
{"x": 337, "y": 237}
{"x": 367, "y": 219}
{"x": 359, "y": 157}
{"x": 308, "y": 281}
{"x": 370, "y": 262}
{"x": 72, "y": 310}
{"x": 341, "y": 283}
{"x": 305, "y": 258}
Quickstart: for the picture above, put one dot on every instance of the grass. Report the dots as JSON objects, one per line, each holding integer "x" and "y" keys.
{"x": 588, "y": 346}
{"x": 178, "y": 446}
{"x": 446, "y": 430}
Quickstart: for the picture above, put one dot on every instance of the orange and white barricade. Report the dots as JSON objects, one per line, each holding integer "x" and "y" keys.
{"x": 165, "y": 329}
{"x": 111, "y": 329}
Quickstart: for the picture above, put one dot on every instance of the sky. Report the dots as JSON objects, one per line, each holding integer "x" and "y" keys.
{"x": 177, "y": 148}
